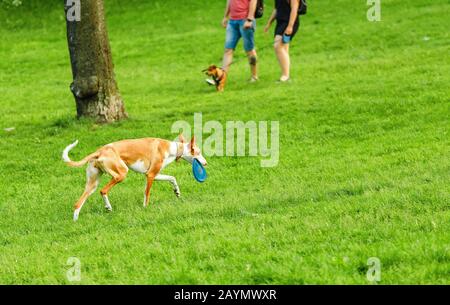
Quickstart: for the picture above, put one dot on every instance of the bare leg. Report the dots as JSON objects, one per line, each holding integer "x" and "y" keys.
{"x": 288, "y": 61}
{"x": 282, "y": 52}
{"x": 227, "y": 59}
{"x": 93, "y": 177}
{"x": 252, "y": 59}
{"x": 172, "y": 180}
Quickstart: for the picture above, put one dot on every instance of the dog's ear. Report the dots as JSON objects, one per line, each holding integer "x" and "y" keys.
{"x": 181, "y": 138}
{"x": 192, "y": 142}
{"x": 210, "y": 68}
{"x": 192, "y": 145}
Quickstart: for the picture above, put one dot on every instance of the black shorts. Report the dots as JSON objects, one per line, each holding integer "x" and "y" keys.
{"x": 282, "y": 25}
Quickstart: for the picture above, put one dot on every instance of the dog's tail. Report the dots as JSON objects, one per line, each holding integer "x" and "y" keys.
{"x": 82, "y": 162}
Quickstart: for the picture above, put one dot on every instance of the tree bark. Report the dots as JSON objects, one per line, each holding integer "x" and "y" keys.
{"x": 94, "y": 86}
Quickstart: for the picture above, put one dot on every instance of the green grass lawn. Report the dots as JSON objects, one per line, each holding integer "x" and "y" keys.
{"x": 364, "y": 164}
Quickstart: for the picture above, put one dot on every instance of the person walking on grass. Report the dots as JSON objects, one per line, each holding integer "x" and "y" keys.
{"x": 239, "y": 21}
{"x": 288, "y": 22}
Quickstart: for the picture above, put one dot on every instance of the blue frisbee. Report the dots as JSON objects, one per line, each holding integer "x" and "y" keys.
{"x": 198, "y": 170}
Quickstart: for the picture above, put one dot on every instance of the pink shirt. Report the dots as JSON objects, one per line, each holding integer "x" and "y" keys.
{"x": 239, "y": 9}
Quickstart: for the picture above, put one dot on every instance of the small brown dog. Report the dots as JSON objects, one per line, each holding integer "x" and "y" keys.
{"x": 219, "y": 76}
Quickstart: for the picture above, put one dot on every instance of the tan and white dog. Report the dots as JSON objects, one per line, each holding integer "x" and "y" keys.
{"x": 148, "y": 156}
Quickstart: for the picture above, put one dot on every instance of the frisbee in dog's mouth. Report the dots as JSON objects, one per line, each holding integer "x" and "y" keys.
{"x": 198, "y": 170}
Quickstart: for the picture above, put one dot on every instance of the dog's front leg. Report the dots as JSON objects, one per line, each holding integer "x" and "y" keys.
{"x": 151, "y": 174}
{"x": 150, "y": 179}
{"x": 172, "y": 180}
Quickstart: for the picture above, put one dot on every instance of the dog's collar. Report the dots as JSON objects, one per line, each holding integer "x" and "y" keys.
{"x": 180, "y": 150}
{"x": 220, "y": 78}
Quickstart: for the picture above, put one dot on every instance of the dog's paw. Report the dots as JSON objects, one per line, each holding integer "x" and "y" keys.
{"x": 177, "y": 193}
{"x": 108, "y": 208}
{"x": 75, "y": 215}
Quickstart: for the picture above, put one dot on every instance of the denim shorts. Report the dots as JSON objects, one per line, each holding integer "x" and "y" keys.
{"x": 235, "y": 30}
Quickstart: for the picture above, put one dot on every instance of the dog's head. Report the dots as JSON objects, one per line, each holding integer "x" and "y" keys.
{"x": 192, "y": 151}
{"x": 212, "y": 70}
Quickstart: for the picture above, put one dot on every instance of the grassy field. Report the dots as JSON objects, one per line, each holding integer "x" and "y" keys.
{"x": 364, "y": 150}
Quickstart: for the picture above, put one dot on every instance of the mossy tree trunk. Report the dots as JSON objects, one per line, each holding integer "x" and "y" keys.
{"x": 94, "y": 87}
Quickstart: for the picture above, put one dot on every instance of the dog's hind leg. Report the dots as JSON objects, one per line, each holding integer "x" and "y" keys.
{"x": 107, "y": 203}
{"x": 118, "y": 173}
{"x": 114, "y": 166}
{"x": 93, "y": 177}
{"x": 172, "y": 180}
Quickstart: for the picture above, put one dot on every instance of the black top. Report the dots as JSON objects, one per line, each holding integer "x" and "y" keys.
{"x": 283, "y": 8}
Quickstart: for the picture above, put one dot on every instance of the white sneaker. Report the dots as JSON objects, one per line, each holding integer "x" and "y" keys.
{"x": 284, "y": 79}
{"x": 210, "y": 82}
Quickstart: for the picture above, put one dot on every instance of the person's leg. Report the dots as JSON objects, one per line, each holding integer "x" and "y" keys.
{"x": 248, "y": 36}
{"x": 282, "y": 52}
{"x": 227, "y": 59}
{"x": 252, "y": 59}
{"x": 287, "y": 63}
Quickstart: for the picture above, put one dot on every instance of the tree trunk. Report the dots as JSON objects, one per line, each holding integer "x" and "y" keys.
{"x": 94, "y": 87}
